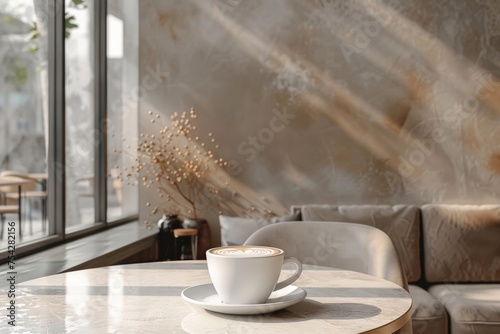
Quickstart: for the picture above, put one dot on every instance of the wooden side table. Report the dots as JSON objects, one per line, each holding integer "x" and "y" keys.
{"x": 181, "y": 233}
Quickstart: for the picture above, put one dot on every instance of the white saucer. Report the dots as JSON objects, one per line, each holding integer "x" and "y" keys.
{"x": 206, "y": 297}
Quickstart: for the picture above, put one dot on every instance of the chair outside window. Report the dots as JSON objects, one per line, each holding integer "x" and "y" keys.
{"x": 7, "y": 209}
{"x": 85, "y": 185}
{"x": 29, "y": 192}
{"x": 347, "y": 246}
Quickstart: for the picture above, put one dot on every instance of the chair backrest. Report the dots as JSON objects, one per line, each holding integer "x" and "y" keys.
{"x": 347, "y": 246}
{"x": 400, "y": 222}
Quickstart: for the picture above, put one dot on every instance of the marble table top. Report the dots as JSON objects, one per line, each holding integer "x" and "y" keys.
{"x": 146, "y": 298}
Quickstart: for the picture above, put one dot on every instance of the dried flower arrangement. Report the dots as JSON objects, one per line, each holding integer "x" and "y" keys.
{"x": 178, "y": 163}
{"x": 188, "y": 175}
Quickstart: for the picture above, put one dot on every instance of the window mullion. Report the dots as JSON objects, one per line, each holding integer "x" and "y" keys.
{"x": 100, "y": 96}
{"x": 57, "y": 103}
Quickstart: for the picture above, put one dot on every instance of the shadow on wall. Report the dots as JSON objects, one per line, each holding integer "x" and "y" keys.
{"x": 336, "y": 102}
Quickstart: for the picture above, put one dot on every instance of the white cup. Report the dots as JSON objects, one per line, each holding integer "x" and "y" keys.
{"x": 248, "y": 274}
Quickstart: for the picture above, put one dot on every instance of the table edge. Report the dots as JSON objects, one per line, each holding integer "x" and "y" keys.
{"x": 394, "y": 325}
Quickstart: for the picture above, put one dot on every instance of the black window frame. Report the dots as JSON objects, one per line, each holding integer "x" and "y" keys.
{"x": 56, "y": 182}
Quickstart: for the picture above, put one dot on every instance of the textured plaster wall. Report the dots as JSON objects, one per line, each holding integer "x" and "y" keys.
{"x": 330, "y": 101}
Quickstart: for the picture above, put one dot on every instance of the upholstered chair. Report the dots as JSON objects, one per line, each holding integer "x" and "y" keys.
{"x": 348, "y": 246}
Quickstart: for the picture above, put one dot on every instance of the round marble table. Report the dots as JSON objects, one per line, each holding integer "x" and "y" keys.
{"x": 146, "y": 298}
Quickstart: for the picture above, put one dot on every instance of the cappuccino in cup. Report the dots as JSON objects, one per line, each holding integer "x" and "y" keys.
{"x": 248, "y": 274}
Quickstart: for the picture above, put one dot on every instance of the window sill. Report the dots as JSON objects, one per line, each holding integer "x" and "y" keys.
{"x": 101, "y": 249}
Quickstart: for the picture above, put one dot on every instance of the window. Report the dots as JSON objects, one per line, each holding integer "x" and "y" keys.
{"x": 81, "y": 140}
{"x": 122, "y": 104}
{"x": 65, "y": 86}
{"x": 24, "y": 104}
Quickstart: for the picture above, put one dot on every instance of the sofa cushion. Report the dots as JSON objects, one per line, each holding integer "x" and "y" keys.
{"x": 461, "y": 243}
{"x": 472, "y": 308}
{"x": 428, "y": 314}
{"x": 236, "y": 230}
{"x": 400, "y": 222}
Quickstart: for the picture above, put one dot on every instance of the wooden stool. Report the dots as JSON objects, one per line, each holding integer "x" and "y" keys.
{"x": 187, "y": 232}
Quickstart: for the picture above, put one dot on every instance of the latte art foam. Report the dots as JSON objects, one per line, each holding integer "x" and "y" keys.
{"x": 245, "y": 251}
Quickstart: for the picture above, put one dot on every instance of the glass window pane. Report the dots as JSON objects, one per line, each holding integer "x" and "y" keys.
{"x": 23, "y": 118}
{"x": 122, "y": 105}
{"x": 80, "y": 135}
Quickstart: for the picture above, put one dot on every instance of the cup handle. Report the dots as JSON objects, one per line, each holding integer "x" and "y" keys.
{"x": 293, "y": 278}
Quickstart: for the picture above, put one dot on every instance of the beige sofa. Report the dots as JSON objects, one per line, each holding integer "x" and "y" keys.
{"x": 451, "y": 255}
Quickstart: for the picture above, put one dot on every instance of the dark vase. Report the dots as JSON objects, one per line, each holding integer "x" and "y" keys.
{"x": 204, "y": 239}
{"x": 168, "y": 249}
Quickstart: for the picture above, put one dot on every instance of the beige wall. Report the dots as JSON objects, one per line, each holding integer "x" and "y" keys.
{"x": 330, "y": 101}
